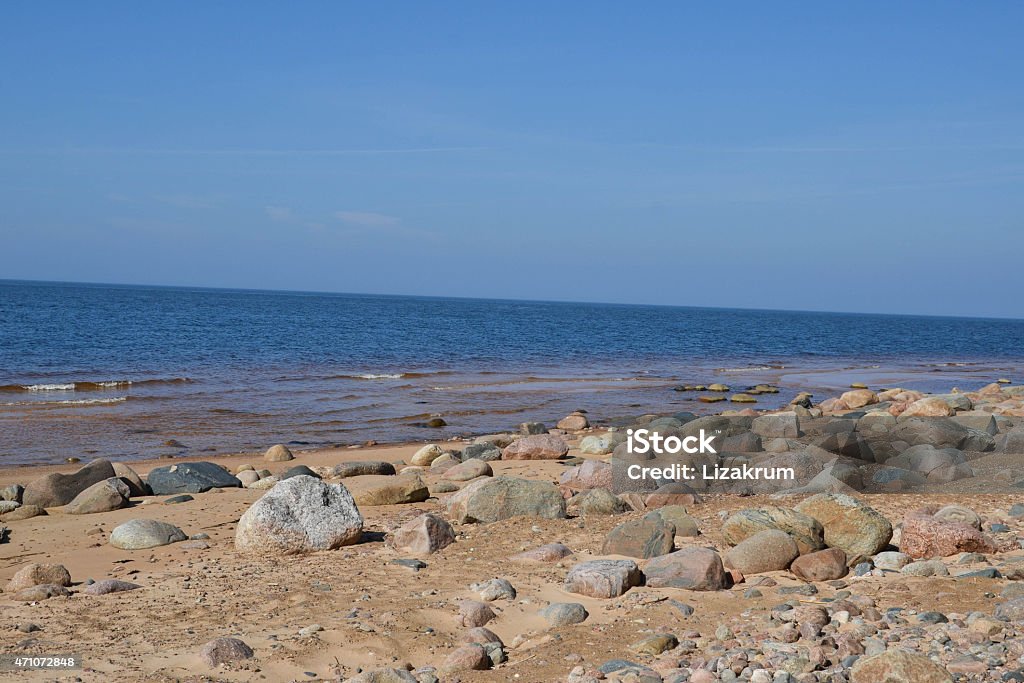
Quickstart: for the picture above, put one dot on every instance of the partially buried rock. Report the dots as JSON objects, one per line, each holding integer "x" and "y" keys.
{"x": 823, "y": 565}
{"x": 592, "y": 474}
{"x": 898, "y": 666}
{"x": 538, "y": 447}
{"x": 300, "y": 515}
{"x": 426, "y": 455}
{"x": 805, "y": 530}
{"x": 278, "y": 453}
{"x": 564, "y": 614}
{"x": 481, "y": 451}
{"x": 474, "y": 613}
{"x": 23, "y": 512}
{"x": 190, "y": 477}
{"x": 859, "y": 530}
{"x": 225, "y": 651}
{"x": 552, "y": 552}
{"x": 597, "y": 502}
{"x": 470, "y": 469}
{"x": 138, "y": 534}
{"x": 360, "y": 468}
{"x": 131, "y": 478}
{"x": 647, "y": 537}
{"x": 60, "y": 489}
{"x": 603, "y": 578}
{"x": 765, "y": 551}
{"x": 924, "y": 535}
{"x": 493, "y": 499}
{"x": 110, "y": 586}
{"x": 426, "y": 534}
{"x": 673, "y": 493}
{"x": 298, "y": 471}
{"x": 383, "y": 676}
{"x": 35, "y": 574}
{"x": 696, "y": 569}
{"x": 104, "y": 496}
{"x": 405, "y": 488}
{"x": 472, "y": 657}
{"x": 42, "y": 592}
{"x": 677, "y": 516}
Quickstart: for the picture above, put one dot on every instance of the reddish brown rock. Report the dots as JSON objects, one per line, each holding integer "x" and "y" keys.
{"x": 574, "y": 422}
{"x": 537, "y": 447}
{"x": 696, "y": 569}
{"x": 224, "y": 651}
{"x": 593, "y": 474}
{"x": 603, "y": 578}
{"x": 925, "y": 536}
{"x": 552, "y": 552}
{"x": 426, "y": 534}
{"x": 473, "y": 613}
{"x": 675, "y": 493}
{"x": 897, "y": 666}
{"x": 472, "y": 657}
{"x": 649, "y": 536}
{"x": 36, "y": 574}
{"x": 823, "y": 565}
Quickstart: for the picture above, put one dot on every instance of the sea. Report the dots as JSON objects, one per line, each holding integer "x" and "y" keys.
{"x": 92, "y": 370}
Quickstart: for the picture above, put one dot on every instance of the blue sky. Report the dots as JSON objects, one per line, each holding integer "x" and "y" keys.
{"x": 825, "y": 156}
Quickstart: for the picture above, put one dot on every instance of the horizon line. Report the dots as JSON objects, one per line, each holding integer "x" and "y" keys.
{"x": 253, "y": 290}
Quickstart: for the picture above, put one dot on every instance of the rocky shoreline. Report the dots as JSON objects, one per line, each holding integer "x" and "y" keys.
{"x": 895, "y": 555}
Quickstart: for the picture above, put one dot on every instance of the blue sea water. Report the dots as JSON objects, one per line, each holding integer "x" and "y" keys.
{"x": 122, "y": 371}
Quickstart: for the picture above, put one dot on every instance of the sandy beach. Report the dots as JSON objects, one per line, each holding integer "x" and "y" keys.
{"x": 333, "y": 614}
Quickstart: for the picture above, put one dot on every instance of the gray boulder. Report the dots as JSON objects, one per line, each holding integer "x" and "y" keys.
{"x": 190, "y": 477}
{"x": 104, "y": 496}
{"x": 363, "y": 467}
{"x": 60, "y": 489}
{"x": 139, "y": 534}
{"x": 300, "y": 515}
{"x": 497, "y": 498}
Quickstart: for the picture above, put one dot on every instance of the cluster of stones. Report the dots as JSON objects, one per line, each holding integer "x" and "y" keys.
{"x": 831, "y": 537}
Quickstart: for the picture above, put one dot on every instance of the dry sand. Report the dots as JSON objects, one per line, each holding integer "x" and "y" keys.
{"x": 374, "y": 614}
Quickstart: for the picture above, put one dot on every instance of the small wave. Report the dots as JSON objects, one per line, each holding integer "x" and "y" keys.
{"x": 752, "y": 368}
{"x": 90, "y": 386}
{"x": 68, "y": 402}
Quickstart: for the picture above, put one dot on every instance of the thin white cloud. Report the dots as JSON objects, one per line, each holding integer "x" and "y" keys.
{"x": 278, "y": 213}
{"x": 242, "y": 151}
{"x": 367, "y": 219}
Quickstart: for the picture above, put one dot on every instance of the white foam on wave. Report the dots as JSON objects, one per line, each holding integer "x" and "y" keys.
{"x": 398, "y": 375}
{"x": 50, "y": 387}
{"x": 68, "y": 402}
